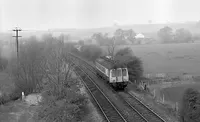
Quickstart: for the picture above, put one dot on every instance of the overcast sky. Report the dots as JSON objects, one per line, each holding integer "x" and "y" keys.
{"x": 44, "y": 14}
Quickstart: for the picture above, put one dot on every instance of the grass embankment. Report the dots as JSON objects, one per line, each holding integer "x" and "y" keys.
{"x": 165, "y": 111}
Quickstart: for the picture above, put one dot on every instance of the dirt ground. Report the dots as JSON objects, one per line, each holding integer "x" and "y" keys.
{"x": 17, "y": 111}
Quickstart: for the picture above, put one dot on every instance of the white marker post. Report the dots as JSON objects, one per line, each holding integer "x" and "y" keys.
{"x": 154, "y": 93}
{"x": 22, "y": 95}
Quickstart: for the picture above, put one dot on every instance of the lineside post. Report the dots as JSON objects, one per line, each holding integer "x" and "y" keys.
{"x": 16, "y": 30}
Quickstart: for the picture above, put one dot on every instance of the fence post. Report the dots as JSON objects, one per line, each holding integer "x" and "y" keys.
{"x": 176, "y": 106}
{"x": 163, "y": 98}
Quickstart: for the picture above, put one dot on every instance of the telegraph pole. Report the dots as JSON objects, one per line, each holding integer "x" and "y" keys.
{"x": 16, "y": 30}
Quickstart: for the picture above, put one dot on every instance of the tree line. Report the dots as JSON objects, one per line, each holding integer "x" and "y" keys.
{"x": 120, "y": 37}
{"x": 166, "y": 35}
{"x": 124, "y": 37}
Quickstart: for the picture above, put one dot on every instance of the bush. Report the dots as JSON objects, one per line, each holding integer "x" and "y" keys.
{"x": 124, "y": 52}
{"x": 135, "y": 68}
{"x": 134, "y": 64}
{"x": 69, "y": 46}
{"x": 47, "y": 60}
{"x": 190, "y": 106}
{"x": 15, "y": 95}
{"x": 3, "y": 63}
{"x": 62, "y": 103}
{"x": 92, "y": 52}
{"x": 61, "y": 100}
{"x": 4, "y": 99}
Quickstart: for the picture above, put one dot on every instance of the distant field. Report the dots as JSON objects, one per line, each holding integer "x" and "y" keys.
{"x": 173, "y": 59}
{"x": 175, "y": 94}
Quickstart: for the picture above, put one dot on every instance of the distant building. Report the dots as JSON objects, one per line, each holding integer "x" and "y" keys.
{"x": 139, "y": 36}
{"x": 140, "y": 39}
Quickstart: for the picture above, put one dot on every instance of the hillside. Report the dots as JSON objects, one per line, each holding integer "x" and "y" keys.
{"x": 150, "y": 30}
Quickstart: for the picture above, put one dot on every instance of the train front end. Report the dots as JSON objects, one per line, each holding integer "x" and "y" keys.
{"x": 119, "y": 77}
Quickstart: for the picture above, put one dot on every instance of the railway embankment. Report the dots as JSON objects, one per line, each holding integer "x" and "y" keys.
{"x": 93, "y": 115}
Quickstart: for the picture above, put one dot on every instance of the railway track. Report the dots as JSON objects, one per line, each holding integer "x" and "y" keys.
{"x": 144, "y": 113}
{"x": 135, "y": 115}
{"x": 144, "y": 110}
{"x": 109, "y": 111}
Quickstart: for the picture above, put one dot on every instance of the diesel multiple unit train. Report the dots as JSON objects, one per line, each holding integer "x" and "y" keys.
{"x": 116, "y": 76}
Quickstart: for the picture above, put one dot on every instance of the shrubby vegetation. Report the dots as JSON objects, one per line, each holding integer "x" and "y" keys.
{"x": 124, "y": 37}
{"x": 29, "y": 70}
{"x": 3, "y": 60}
{"x": 62, "y": 100}
{"x": 120, "y": 37}
{"x": 126, "y": 57}
{"x": 90, "y": 52}
{"x": 181, "y": 35}
{"x": 190, "y": 106}
{"x": 166, "y": 35}
{"x": 3, "y": 63}
{"x": 43, "y": 67}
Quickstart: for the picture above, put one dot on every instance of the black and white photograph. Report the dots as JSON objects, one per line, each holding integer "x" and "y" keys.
{"x": 99, "y": 61}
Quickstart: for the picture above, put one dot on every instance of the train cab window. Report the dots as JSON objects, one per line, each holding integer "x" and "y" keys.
{"x": 124, "y": 72}
{"x": 118, "y": 72}
{"x": 113, "y": 73}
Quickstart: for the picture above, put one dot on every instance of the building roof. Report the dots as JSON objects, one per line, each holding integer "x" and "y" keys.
{"x": 139, "y": 36}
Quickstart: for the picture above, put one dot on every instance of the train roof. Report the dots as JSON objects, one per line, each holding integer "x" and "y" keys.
{"x": 108, "y": 63}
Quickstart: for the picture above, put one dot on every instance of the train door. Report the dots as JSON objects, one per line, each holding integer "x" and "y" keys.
{"x": 119, "y": 75}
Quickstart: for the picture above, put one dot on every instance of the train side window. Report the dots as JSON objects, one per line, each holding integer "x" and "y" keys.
{"x": 124, "y": 72}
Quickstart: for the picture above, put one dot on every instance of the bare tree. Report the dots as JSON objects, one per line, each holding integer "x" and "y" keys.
{"x": 29, "y": 72}
{"x": 111, "y": 47}
{"x": 59, "y": 68}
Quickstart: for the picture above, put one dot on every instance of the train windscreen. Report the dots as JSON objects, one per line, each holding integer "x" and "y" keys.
{"x": 113, "y": 73}
{"x": 124, "y": 72}
{"x": 118, "y": 72}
